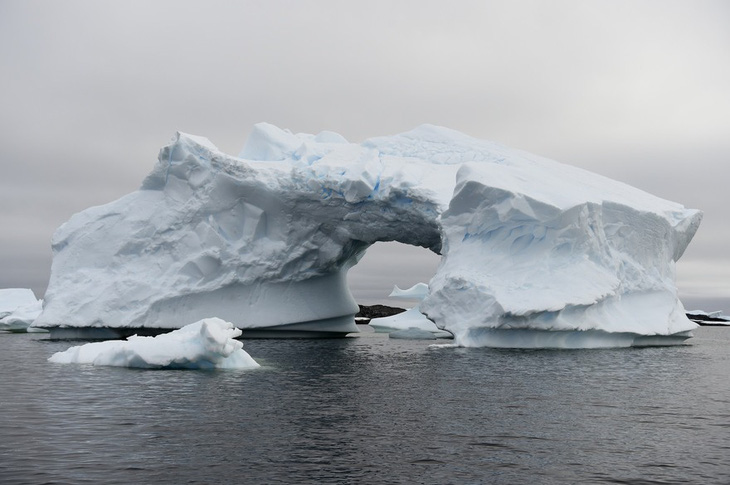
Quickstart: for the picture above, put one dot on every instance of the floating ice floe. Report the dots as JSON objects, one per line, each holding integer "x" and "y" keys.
{"x": 206, "y": 344}
{"x": 18, "y": 309}
{"x": 411, "y": 318}
{"x": 265, "y": 240}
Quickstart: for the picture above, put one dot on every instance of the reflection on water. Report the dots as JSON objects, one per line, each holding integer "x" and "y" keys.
{"x": 373, "y": 410}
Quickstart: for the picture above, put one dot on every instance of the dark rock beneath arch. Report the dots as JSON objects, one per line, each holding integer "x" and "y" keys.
{"x": 376, "y": 311}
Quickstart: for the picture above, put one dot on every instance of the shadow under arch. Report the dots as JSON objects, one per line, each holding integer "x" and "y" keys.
{"x": 367, "y": 273}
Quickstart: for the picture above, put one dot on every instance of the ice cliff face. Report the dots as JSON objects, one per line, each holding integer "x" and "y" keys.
{"x": 265, "y": 240}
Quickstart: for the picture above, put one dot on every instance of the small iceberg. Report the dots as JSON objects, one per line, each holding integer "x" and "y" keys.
{"x": 411, "y": 318}
{"x": 702, "y": 317}
{"x": 419, "y": 291}
{"x": 207, "y": 344}
{"x": 18, "y": 309}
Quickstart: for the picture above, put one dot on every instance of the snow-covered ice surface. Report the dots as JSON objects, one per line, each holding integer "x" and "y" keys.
{"x": 207, "y": 344}
{"x": 411, "y": 318}
{"x": 18, "y": 309}
{"x": 265, "y": 240}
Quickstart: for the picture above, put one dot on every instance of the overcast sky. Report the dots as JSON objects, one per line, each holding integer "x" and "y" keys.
{"x": 635, "y": 90}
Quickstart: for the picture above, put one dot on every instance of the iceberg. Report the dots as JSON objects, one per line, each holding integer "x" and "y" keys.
{"x": 529, "y": 246}
{"x": 411, "y": 318}
{"x": 702, "y": 317}
{"x": 13, "y": 298}
{"x": 419, "y": 291}
{"x": 18, "y": 309}
{"x": 207, "y": 344}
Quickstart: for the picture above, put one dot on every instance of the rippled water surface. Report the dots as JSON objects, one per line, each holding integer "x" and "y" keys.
{"x": 370, "y": 409}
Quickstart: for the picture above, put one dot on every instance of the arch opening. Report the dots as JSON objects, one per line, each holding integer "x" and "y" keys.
{"x": 386, "y": 264}
{"x": 389, "y": 285}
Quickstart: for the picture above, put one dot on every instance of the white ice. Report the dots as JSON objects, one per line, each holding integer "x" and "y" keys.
{"x": 13, "y": 298}
{"x": 207, "y": 344}
{"x": 411, "y": 318}
{"x": 419, "y": 291}
{"x": 18, "y": 309}
{"x": 265, "y": 240}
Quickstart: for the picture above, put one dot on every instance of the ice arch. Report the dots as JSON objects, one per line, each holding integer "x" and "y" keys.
{"x": 264, "y": 240}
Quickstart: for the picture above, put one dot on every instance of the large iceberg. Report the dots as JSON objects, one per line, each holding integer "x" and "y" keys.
{"x": 533, "y": 251}
{"x": 207, "y": 344}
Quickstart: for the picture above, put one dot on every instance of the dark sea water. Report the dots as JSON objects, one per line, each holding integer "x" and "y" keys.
{"x": 371, "y": 409}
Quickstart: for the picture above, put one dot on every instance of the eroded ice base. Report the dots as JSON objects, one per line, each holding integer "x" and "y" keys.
{"x": 565, "y": 339}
